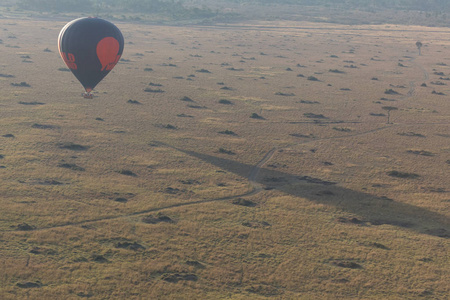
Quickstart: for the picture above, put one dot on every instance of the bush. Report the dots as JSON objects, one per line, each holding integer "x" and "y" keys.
{"x": 255, "y": 116}
{"x": 229, "y": 132}
{"x": 149, "y": 90}
{"x": 133, "y": 102}
{"x": 284, "y": 94}
{"x": 127, "y": 173}
{"x": 390, "y": 92}
{"x": 314, "y": 116}
{"x": 22, "y": 84}
{"x": 335, "y": 71}
{"x": 403, "y": 175}
{"x": 74, "y": 147}
{"x": 225, "y": 101}
{"x": 187, "y": 99}
{"x": 243, "y": 202}
{"x": 225, "y": 151}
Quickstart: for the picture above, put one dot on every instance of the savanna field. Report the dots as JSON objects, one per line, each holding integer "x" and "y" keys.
{"x": 268, "y": 160}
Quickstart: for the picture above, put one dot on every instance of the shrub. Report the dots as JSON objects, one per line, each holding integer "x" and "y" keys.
{"x": 335, "y": 71}
{"x": 399, "y": 174}
{"x": 31, "y": 103}
{"x": 234, "y": 69}
{"x": 133, "y": 102}
{"x": 169, "y": 126}
{"x": 7, "y": 76}
{"x": 314, "y": 116}
{"x": 256, "y": 116}
{"x": 229, "y": 132}
{"x": 225, "y": 101}
{"x": 22, "y": 84}
{"x": 74, "y": 147}
{"x": 309, "y": 102}
{"x": 412, "y": 134}
{"x": 225, "y": 151}
{"x": 150, "y": 90}
{"x": 243, "y": 202}
{"x": 437, "y": 93}
{"x": 420, "y": 152}
{"x": 284, "y": 94}
{"x": 342, "y": 129}
{"x": 390, "y": 92}
{"x": 196, "y": 106}
{"x": 187, "y": 99}
{"x": 150, "y": 219}
{"x": 127, "y": 173}
{"x": 312, "y": 78}
{"x": 44, "y": 126}
{"x": 71, "y": 167}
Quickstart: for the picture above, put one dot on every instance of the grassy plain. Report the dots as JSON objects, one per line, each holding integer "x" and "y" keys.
{"x": 107, "y": 199}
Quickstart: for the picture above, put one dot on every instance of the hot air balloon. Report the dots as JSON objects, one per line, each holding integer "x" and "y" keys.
{"x": 90, "y": 47}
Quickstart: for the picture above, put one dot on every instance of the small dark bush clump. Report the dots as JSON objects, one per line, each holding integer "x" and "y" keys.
{"x": 390, "y": 92}
{"x": 127, "y": 173}
{"x": 314, "y": 116}
{"x": 31, "y": 103}
{"x": 225, "y": 151}
{"x": 256, "y": 116}
{"x": 22, "y": 84}
{"x": 187, "y": 99}
{"x": 72, "y": 146}
{"x": 243, "y": 202}
{"x": 403, "y": 174}
{"x": 71, "y": 166}
{"x": 150, "y": 90}
{"x": 284, "y": 94}
{"x": 225, "y": 101}
{"x": 133, "y": 102}
{"x": 229, "y": 132}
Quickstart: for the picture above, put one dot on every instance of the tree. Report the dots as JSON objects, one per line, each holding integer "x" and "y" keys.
{"x": 419, "y": 46}
{"x": 389, "y": 109}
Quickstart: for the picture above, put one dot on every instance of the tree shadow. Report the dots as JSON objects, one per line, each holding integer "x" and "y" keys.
{"x": 366, "y": 209}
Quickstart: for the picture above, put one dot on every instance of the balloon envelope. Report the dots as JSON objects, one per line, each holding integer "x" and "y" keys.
{"x": 90, "y": 47}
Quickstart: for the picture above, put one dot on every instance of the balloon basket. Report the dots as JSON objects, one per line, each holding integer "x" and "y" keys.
{"x": 87, "y": 95}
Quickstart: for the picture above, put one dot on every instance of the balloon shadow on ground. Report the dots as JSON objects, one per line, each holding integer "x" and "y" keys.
{"x": 367, "y": 209}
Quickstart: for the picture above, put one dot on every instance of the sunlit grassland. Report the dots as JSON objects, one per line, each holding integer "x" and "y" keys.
{"x": 111, "y": 198}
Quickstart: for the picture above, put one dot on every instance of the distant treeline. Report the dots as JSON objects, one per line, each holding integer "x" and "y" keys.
{"x": 172, "y": 8}
{"x": 422, "y": 5}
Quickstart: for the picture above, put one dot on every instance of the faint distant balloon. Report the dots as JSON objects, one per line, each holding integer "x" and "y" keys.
{"x": 90, "y": 47}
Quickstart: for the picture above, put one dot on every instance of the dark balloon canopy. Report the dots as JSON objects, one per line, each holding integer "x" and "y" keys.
{"x": 90, "y": 47}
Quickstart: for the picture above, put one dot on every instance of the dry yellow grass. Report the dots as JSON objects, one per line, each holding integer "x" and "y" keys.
{"x": 329, "y": 222}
